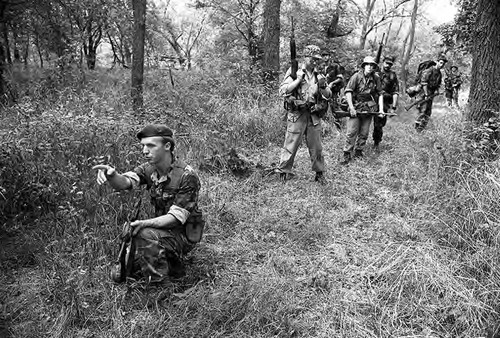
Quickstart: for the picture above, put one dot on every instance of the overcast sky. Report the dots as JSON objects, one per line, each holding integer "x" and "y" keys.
{"x": 439, "y": 11}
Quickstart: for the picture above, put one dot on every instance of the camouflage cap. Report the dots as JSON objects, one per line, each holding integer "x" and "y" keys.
{"x": 389, "y": 59}
{"x": 156, "y": 130}
{"x": 312, "y": 51}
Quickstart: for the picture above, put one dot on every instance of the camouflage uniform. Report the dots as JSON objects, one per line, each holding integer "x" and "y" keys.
{"x": 365, "y": 92}
{"x": 159, "y": 252}
{"x": 452, "y": 84}
{"x": 390, "y": 86}
{"x": 301, "y": 119}
{"x": 335, "y": 80}
{"x": 432, "y": 78}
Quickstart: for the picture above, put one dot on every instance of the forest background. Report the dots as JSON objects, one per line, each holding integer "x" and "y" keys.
{"x": 401, "y": 243}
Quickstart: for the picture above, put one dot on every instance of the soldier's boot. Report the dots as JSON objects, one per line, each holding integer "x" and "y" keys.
{"x": 176, "y": 267}
{"x": 320, "y": 178}
{"x": 346, "y": 158}
{"x": 358, "y": 153}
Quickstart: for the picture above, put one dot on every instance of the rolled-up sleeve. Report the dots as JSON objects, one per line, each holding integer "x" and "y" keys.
{"x": 186, "y": 199}
{"x": 284, "y": 84}
{"x": 137, "y": 176}
{"x": 352, "y": 84}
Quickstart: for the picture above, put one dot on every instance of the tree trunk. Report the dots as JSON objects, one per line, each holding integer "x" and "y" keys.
{"x": 271, "y": 30}
{"x": 3, "y": 5}
{"x": 369, "y": 10}
{"x": 484, "y": 96}
{"x": 408, "y": 49}
{"x": 139, "y": 7}
{"x": 6, "y": 44}
{"x": 26, "y": 51}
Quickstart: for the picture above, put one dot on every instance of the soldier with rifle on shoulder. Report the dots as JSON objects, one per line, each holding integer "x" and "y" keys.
{"x": 306, "y": 94}
{"x": 364, "y": 96}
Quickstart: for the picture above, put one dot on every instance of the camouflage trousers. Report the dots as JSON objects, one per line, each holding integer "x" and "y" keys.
{"x": 451, "y": 96}
{"x": 358, "y": 129}
{"x": 300, "y": 124}
{"x": 380, "y": 122}
{"x": 424, "y": 115}
{"x": 159, "y": 252}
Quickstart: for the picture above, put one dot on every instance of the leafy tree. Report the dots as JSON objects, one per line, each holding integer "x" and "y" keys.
{"x": 475, "y": 31}
{"x": 242, "y": 18}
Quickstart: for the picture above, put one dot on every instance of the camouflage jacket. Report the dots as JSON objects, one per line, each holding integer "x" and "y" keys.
{"x": 452, "y": 81}
{"x": 432, "y": 78}
{"x": 390, "y": 83}
{"x": 175, "y": 193}
{"x": 364, "y": 88}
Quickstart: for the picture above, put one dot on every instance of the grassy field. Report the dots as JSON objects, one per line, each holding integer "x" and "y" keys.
{"x": 402, "y": 243}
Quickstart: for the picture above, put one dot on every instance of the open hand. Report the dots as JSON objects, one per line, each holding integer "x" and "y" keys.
{"x": 353, "y": 113}
{"x": 104, "y": 172}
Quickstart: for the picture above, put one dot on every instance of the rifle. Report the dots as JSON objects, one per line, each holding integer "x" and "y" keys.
{"x": 408, "y": 107}
{"x": 343, "y": 113}
{"x": 124, "y": 265}
{"x": 379, "y": 51}
{"x": 288, "y": 102}
{"x": 293, "y": 54}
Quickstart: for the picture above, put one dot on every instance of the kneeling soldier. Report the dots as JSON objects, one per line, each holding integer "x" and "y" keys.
{"x": 162, "y": 241}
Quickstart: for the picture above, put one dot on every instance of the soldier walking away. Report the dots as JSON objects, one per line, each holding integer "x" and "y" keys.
{"x": 162, "y": 241}
{"x": 362, "y": 92}
{"x": 452, "y": 84}
{"x": 390, "y": 86}
{"x": 302, "y": 96}
{"x": 429, "y": 84}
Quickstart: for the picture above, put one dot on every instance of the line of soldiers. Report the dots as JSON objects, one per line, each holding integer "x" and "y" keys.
{"x": 369, "y": 93}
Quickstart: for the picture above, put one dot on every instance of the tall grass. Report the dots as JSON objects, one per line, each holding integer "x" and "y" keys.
{"x": 404, "y": 243}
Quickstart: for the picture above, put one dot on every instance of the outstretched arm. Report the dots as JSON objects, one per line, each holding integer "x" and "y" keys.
{"x": 109, "y": 174}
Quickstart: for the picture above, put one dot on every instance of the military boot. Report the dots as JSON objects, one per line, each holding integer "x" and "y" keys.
{"x": 358, "y": 153}
{"x": 320, "y": 178}
{"x": 346, "y": 159}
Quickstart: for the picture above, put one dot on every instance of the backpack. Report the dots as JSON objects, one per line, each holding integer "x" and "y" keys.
{"x": 423, "y": 66}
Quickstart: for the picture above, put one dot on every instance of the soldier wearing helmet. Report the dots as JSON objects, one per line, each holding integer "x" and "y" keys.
{"x": 362, "y": 92}
{"x": 452, "y": 84}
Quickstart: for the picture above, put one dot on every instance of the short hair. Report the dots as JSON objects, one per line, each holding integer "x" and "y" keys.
{"x": 165, "y": 140}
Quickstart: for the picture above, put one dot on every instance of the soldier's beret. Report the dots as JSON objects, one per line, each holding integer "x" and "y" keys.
{"x": 156, "y": 130}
